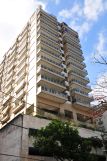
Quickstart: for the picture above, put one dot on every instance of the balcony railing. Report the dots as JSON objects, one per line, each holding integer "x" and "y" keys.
{"x": 81, "y": 102}
{"x": 5, "y": 119}
{"x": 20, "y": 86}
{"x": 20, "y": 95}
{"x": 51, "y": 91}
{"x": 77, "y": 68}
{"x": 23, "y": 67}
{"x": 79, "y": 75}
{"x": 47, "y": 114}
{"x": 51, "y": 70}
{"x": 4, "y": 112}
{"x": 79, "y": 92}
{"x": 50, "y": 61}
{"x": 50, "y": 52}
{"x": 54, "y": 81}
{"x": 74, "y": 81}
{"x": 19, "y": 107}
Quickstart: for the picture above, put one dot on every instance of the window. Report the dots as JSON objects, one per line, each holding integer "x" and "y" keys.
{"x": 68, "y": 114}
{"x": 84, "y": 118}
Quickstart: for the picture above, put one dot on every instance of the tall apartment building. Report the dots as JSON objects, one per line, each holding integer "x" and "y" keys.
{"x": 43, "y": 73}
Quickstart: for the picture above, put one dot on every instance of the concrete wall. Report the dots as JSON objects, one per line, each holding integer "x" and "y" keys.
{"x": 10, "y": 140}
{"x": 35, "y": 123}
{"x": 15, "y": 140}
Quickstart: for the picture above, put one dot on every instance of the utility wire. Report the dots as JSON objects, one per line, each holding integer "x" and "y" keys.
{"x": 29, "y": 103}
{"x": 25, "y": 101}
{"x": 19, "y": 126}
{"x": 18, "y": 99}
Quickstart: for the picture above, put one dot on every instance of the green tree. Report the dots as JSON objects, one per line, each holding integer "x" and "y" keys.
{"x": 62, "y": 141}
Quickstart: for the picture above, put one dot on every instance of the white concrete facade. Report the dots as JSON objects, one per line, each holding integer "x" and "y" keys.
{"x": 43, "y": 73}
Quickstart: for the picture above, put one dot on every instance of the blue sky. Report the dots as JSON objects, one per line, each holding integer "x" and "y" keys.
{"x": 87, "y": 17}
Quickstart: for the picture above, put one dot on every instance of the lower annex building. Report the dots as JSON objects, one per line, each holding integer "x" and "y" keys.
{"x": 44, "y": 73}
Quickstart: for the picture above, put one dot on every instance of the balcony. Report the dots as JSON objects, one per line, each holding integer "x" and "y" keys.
{"x": 48, "y": 29}
{"x": 22, "y": 52}
{"x": 11, "y": 67}
{"x": 49, "y": 45}
{"x": 72, "y": 42}
{"x": 20, "y": 86}
{"x": 46, "y": 37}
{"x": 83, "y": 64}
{"x": 20, "y": 95}
{"x": 79, "y": 92}
{"x": 85, "y": 71}
{"x": 76, "y": 56}
{"x": 10, "y": 75}
{"x": 20, "y": 76}
{"x": 74, "y": 61}
{"x": 81, "y": 104}
{"x": 75, "y": 67}
{"x": 5, "y": 119}
{"x": 50, "y": 81}
{"x": 18, "y": 107}
{"x": 49, "y": 18}
{"x": 22, "y": 68}
{"x": 46, "y": 114}
{"x": 74, "y": 74}
{"x": 43, "y": 68}
{"x": 76, "y": 83}
{"x": 9, "y": 89}
{"x": 8, "y": 83}
{"x": 11, "y": 62}
{"x": 86, "y": 125}
{"x": 49, "y": 61}
{"x": 86, "y": 78}
{"x": 69, "y": 37}
{"x": 51, "y": 57}
{"x": 22, "y": 60}
{"x": 6, "y": 99}
{"x": 4, "y": 112}
{"x": 74, "y": 49}
{"x": 50, "y": 52}
{"x": 51, "y": 94}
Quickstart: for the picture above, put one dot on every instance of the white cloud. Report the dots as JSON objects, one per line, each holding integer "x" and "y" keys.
{"x": 82, "y": 28}
{"x": 56, "y": 1}
{"x": 83, "y": 17}
{"x": 93, "y": 9}
{"x": 100, "y": 48}
{"x": 70, "y": 13}
{"x": 13, "y": 16}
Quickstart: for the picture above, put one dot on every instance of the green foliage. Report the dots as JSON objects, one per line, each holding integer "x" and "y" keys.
{"x": 62, "y": 141}
{"x": 96, "y": 142}
{"x": 85, "y": 126}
